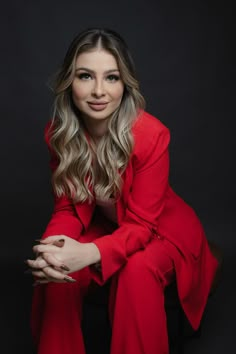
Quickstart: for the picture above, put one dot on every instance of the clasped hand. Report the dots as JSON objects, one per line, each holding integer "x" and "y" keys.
{"x": 57, "y": 256}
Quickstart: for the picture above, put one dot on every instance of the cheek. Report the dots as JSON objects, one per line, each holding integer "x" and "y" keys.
{"x": 118, "y": 93}
{"x": 78, "y": 92}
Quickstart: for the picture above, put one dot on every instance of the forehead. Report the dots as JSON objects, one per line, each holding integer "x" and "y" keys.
{"x": 96, "y": 60}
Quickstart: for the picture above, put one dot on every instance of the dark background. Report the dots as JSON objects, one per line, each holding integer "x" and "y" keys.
{"x": 184, "y": 58}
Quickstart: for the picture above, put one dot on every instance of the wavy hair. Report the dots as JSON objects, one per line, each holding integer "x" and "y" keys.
{"x": 83, "y": 169}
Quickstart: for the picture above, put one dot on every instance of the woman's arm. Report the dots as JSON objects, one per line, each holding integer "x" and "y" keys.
{"x": 145, "y": 204}
{"x": 64, "y": 222}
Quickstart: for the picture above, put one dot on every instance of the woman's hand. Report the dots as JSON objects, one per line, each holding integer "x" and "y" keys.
{"x": 55, "y": 261}
{"x": 46, "y": 273}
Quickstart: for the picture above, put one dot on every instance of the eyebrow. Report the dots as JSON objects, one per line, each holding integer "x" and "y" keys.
{"x": 93, "y": 72}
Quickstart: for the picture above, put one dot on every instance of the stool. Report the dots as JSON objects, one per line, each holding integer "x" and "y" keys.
{"x": 96, "y": 302}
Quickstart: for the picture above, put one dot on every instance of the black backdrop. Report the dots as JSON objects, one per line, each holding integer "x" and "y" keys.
{"x": 184, "y": 58}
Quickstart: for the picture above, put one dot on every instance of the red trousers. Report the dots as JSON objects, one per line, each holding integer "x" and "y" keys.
{"x": 136, "y": 306}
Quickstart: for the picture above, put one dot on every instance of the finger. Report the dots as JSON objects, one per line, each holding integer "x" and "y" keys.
{"x": 52, "y": 260}
{"x": 31, "y": 270}
{"x": 55, "y": 275}
{"x": 47, "y": 280}
{"x": 51, "y": 239}
{"x": 40, "y": 274}
{"x": 37, "y": 263}
{"x": 45, "y": 248}
{"x": 38, "y": 282}
{"x": 50, "y": 272}
{"x": 41, "y": 263}
{"x": 58, "y": 243}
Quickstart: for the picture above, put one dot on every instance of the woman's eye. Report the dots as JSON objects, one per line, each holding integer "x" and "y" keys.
{"x": 84, "y": 76}
{"x": 113, "y": 78}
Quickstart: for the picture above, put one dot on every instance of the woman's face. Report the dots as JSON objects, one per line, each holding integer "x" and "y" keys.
{"x": 97, "y": 88}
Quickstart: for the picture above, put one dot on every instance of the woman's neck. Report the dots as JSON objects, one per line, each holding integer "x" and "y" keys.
{"x": 96, "y": 128}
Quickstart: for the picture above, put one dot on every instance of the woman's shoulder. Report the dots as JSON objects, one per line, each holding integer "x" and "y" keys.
{"x": 148, "y": 131}
{"x": 148, "y": 125}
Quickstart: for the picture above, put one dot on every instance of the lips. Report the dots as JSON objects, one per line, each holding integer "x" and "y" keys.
{"x": 97, "y": 106}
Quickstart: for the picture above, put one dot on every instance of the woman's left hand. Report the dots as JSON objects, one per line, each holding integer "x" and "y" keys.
{"x": 73, "y": 256}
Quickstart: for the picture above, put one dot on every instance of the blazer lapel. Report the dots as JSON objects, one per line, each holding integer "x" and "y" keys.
{"x": 85, "y": 211}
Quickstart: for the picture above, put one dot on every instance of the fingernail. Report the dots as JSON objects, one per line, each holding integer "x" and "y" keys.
{"x": 64, "y": 267}
{"x": 69, "y": 279}
{"x": 40, "y": 241}
{"x": 58, "y": 243}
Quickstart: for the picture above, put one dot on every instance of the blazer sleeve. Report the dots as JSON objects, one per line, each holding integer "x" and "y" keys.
{"x": 64, "y": 220}
{"x": 145, "y": 203}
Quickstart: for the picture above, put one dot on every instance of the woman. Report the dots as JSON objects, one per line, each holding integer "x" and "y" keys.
{"x": 115, "y": 217}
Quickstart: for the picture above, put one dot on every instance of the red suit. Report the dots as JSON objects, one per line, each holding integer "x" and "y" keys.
{"x": 158, "y": 236}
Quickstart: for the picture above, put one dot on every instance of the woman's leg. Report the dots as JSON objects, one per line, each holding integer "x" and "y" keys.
{"x": 60, "y": 329}
{"x": 137, "y": 301}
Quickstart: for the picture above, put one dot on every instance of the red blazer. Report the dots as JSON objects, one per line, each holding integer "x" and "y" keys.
{"x": 147, "y": 206}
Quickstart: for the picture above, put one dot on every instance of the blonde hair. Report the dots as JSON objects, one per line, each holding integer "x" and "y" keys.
{"x": 76, "y": 175}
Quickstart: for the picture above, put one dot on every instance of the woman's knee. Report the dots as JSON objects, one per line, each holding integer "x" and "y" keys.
{"x": 137, "y": 267}
{"x": 142, "y": 266}
{"x": 57, "y": 294}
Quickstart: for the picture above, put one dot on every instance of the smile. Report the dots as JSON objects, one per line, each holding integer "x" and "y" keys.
{"x": 97, "y": 106}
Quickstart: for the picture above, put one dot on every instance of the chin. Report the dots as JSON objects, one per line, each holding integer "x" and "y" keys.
{"x": 98, "y": 115}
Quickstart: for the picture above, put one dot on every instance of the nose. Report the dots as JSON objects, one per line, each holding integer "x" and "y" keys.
{"x": 98, "y": 88}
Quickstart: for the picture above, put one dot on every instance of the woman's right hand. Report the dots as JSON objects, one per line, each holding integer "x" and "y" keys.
{"x": 45, "y": 272}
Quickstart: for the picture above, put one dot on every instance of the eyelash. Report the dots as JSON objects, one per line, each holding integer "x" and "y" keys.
{"x": 87, "y": 76}
{"x": 113, "y": 77}
{"x": 84, "y": 76}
